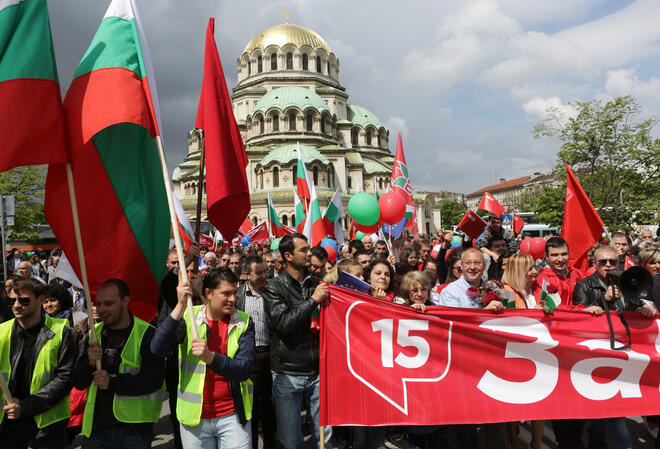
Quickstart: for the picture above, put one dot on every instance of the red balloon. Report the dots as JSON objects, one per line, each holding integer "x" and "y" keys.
{"x": 368, "y": 230}
{"x": 392, "y": 208}
{"x": 535, "y": 247}
{"x": 332, "y": 254}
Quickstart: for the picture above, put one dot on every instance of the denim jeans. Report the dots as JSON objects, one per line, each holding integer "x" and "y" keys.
{"x": 224, "y": 432}
{"x": 617, "y": 428}
{"x": 125, "y": 436}
{"x": 290, "y": 393}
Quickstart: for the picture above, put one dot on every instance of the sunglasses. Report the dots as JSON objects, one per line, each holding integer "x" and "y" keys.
{"x": 603, "y": 262}
{"x": 24, "y": 300}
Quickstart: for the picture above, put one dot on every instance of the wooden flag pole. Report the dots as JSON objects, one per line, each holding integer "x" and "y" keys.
{"x": 81, "y": 259}
{"x": 322, "y": 442}
{"x": 5, "y": 390}
{"x": 183, "y": 274}
{"x": 202, "y": 163}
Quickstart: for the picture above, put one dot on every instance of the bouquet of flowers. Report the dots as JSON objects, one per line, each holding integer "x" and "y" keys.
{"x": 491, "y": 291}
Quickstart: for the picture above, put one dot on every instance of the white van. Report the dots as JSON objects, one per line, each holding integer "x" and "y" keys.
{"x": 538, "y": 230}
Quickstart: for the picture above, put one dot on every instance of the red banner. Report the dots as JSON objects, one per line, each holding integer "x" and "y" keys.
{"x": 387, "y": 364}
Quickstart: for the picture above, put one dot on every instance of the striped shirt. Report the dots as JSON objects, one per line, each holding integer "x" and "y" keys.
{"x": 254, "y": 306}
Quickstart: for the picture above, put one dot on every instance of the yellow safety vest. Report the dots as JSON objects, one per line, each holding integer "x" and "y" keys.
{"x": 192, "y": 370}
{"x": 44, "y": 368}
{"x": 127, "y": 409}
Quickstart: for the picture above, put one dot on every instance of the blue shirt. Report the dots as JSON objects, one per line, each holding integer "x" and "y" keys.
{"x": 455, "y": 295}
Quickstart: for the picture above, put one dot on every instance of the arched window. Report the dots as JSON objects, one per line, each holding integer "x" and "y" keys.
{"x": 305, "y": 62}
{"x": 255, "y": 220}
{"x": 260, "y": 65}
{"x": 292, "y": 121}
{"x": 349, "y": 182}
{"x": 331, "y": 177}
{"x": 328, "y": 68}
{"x": 276, "y": 122}
{"x": 322, "y": 125}
{"x": 354, "y": 136}
{"x": 261, "y": 126}
{"x": 315, "y": 175}
{"x": 294, "y": 174}
{"x": 310, "y": 122}
{"x": 379, "y": 140}
{"x": 249, "y": 66}
{"x": 204, "y": 187}
{"x": 273, "y": 61}
{"x": 368, "y": 137}
{"x": 285, "y": 220}
{"x": 318, "y": 64}
{"x": 276, "y": 177}
{"x": 380, "y": 183}
{"x": 261, "y": 179}
{"x": 289, "y": 61}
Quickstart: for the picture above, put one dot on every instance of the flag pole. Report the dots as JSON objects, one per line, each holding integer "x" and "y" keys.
{"x": 270, "y": 233}
{"x": 81, "y": 258}
{"x": 202, "y": 163}
{"x": 183, "y": 274}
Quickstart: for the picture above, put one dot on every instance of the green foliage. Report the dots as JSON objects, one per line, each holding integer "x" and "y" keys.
{"x": 611, "y": 150}
{"x": 27, "y": 184}
{"x": 548, "y": 205}
{"x": 451, "y": 212}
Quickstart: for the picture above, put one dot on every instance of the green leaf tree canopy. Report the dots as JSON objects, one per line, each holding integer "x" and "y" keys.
{"x": 27, "y": 184}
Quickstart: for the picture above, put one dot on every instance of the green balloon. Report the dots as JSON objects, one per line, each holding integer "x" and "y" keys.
{"x": 359, "y": 235}
{"x": 275, "y": 244}
{"x": 364, "y": 209}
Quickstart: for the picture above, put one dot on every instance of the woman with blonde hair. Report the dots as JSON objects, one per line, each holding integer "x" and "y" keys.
{"x": 520, "y": 278}
{"x": 351, "y": 266}
{"x": 649, "y": 258}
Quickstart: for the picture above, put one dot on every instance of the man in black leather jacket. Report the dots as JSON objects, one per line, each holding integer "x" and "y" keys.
{"x": 290, "y": 301}
{"x": 592, "y": 291}
{"x": 35, "y": 416}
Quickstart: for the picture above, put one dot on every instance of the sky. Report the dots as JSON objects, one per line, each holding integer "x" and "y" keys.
{"x": 464, "y": 82}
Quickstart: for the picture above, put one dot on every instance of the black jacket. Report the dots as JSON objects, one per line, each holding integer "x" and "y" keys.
{"x": 294, "y": 349}
{"x": 59, "y": 386}
{"x": 590, "y": 291}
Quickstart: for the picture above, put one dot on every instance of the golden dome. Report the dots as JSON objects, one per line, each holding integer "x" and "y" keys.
{"x": 287, "y": 33}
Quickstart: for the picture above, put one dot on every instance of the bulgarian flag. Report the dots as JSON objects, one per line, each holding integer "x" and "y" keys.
{"x": 31, "y": 127}
{"x": 314, "y": 228}
{"x": 550, "y": 301}
{"x": 401, "y": 184}
{"x": 331, "y": 218}
{"x": 302, "y": 181}
{"x": 276, "y": 229}
{"x": 300, "y": 214}
{"x": 112, "y": 117}
{"x": 185, "y": 230}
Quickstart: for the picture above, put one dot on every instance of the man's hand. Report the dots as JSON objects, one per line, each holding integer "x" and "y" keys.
{"x": 321, "y": 292}
{"x": 201, "y": 351}
{"x": 101, "y": 379}
{"x": 594, "y": 310}
{"x": 495, "y": 306}
{"x": 391, "y": 260}
{"x": 447, "y": 240}
{"x": 12, "y": 409}
{"x": 94, "y": 353}
{"x": 183, "y": 291}
{"x": 609, "y": 296}
{"x": 648, "y": 311}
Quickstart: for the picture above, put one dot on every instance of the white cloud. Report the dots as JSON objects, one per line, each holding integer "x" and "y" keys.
{"x": 396, "y": 124}
{"x": 538, "y": 107}
{"x": 626, "y": 82}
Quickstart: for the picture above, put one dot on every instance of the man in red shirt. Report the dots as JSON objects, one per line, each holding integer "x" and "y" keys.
{"x": 561, "y": 278}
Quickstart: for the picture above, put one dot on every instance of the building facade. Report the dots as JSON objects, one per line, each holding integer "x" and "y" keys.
{"x": 509, "y": 192}
{"x": 289, "y": 96}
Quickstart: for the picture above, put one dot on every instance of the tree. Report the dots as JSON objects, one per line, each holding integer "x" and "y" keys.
{"x": 451, "y": 211}
{"x": 547, "y": 205}
{"x": 611, "y": 150}
{"x": 27, "y": 184}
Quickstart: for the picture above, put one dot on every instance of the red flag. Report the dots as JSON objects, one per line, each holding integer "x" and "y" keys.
{"x": 206, "y": 240}
{"x": 226, "y": 180}
{"x": 629, "y": 263}
{"x": 490, "y": 204}
{"x": 582, "y": 226}
{"x": 245, "y": 227}
{"x": 259, "y": 232}
{"x": 518, "y": 224}
{"x": 472, "y": 224}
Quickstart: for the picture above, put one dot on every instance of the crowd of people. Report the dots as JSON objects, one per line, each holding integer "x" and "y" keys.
{"x": 244, "y": 364}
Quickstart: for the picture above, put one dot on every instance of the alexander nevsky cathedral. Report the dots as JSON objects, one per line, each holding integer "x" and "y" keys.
{"x": 288, "y": 93}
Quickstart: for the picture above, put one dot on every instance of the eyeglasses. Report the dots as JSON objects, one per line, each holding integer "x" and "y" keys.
{"x": 24, "y": 300}
{"x": 603, "y": 262}
{"x": 418, "y": 290}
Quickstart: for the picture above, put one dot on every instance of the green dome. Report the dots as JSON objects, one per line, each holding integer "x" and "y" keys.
{"x": 285, "y": 97}
{"x": 287, "y": 153}
{"x": 363, "y": 117}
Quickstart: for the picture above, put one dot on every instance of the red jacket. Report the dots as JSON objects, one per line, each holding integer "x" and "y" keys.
{"x": 557, "y": 283}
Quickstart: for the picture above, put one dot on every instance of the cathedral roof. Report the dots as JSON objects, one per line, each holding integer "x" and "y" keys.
{"x": 287, "y": 33}
{"x": 362, "y": 116}
{"x": 285, "y": 97}
{"x": 287, "y": 153}
{"x": 372, "y": 167}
